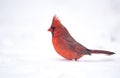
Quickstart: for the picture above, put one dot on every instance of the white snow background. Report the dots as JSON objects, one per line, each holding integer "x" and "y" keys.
{"x": 26, "y": 49}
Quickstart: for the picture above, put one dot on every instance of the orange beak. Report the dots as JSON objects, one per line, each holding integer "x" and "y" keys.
{"x": 50, "y": 29}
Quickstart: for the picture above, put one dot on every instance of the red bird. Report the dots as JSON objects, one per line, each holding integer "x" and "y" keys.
{"x": 66, "y": 46}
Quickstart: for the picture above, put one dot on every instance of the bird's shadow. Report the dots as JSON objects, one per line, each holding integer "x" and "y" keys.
{"x": 86, "y": 60}
{"x": 94, "y": 61}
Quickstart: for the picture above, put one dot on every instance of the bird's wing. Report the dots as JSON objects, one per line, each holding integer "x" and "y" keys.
{"x": 75, "y": 46}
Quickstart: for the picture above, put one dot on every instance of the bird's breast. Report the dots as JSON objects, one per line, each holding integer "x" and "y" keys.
{"x": 63, "y": 49}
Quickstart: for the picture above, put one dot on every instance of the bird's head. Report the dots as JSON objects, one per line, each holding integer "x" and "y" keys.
{"x": 56, "y": 24}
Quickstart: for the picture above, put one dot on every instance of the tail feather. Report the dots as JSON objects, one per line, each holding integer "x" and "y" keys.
{"x": 102, "y": 52}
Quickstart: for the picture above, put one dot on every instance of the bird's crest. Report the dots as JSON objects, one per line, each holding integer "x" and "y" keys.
{"x": 55, "y": 21}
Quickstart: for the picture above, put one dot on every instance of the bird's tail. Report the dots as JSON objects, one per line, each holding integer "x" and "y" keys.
{"x": 101, "y": 52}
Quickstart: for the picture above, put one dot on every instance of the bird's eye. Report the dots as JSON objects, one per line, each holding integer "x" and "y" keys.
{"x": 53, "y": 28}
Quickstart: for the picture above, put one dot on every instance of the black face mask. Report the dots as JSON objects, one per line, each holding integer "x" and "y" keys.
{"x": 53, "y": 29}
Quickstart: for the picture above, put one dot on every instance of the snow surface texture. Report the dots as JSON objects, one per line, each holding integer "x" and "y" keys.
{"x": 26, "y": 49}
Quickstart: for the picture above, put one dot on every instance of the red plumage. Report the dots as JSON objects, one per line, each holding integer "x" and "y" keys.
{"x": 66, "y": 46}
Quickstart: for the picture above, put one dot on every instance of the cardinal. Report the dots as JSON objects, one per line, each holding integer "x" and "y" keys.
{"x": 66, "y": 46}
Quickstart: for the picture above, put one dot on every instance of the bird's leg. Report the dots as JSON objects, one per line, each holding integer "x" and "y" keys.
{"x": 75, "y": 59}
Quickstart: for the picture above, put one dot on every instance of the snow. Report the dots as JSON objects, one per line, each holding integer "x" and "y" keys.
{"x": 26, "y": 49}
